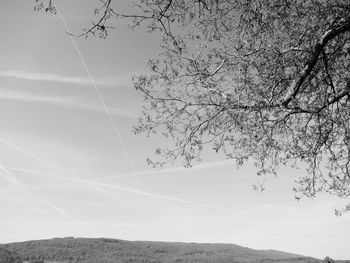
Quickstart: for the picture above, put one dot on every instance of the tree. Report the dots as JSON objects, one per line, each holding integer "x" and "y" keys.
{"x": 261, "y": 80}
{"x": 328, "y": 260}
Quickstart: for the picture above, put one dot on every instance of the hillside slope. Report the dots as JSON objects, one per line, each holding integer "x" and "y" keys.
{"x": 105, "y": 250}
{"x": 7, "y": 256}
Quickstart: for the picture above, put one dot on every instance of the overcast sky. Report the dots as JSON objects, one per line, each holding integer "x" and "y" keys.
{"x": 65, "y": 171}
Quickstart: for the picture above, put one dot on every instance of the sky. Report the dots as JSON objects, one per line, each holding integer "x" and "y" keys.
{"x": 67, "y": 168}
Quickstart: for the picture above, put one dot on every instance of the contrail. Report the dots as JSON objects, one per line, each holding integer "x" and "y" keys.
{"x": 4, "y": 171}
{"x": 48, "y": 163}
{"x": 120, "y": 187}
{"x": 5, "y": 174}
{"x": 59, "y": 101}
{"x": 139, "y": 192}
{"x": 126, "y": 189}
{"x": 90, "y": 183}
{"x": 36, "y": 157}
{"x": 22, "y": 188}
{"x": 169, "y": 170}
{"x": 27, "y": 204}
{"x": 121, "y": 140}
{"x": 114, "y": 126}
{"x": 35, "y": 76}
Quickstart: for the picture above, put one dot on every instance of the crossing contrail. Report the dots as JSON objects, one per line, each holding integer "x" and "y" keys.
{"x": 117, "y": 187}
{"x": 27, "y": 204}
{"x": 91, "y": 184}
{"x": 135, "y": 191}
{"x": 115, "y": 128}
{"x": 36, "y": 157}
{"x": 9, "y": 176}
{"x": 5, "y": 174}
{"x": 18, "y": 185}
{"x": 99, "y": 94}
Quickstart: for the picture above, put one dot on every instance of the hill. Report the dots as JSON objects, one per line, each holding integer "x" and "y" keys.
{"x": 7, "y": 256}
{"x": 103, "y": 250}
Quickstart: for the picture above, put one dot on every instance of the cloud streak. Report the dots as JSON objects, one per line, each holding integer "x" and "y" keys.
{"x": 60, "y": 78}
{"x": 61, "y": 101}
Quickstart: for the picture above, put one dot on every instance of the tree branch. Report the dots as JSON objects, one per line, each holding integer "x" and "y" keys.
{"x": 326, "y": 37}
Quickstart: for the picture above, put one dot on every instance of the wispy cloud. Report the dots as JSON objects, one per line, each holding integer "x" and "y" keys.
{"x": 62, "y": 101}
{"x": 51, "y": 77}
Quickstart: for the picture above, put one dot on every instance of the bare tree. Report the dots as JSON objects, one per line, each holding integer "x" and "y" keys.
{"x": 261, "y": 80}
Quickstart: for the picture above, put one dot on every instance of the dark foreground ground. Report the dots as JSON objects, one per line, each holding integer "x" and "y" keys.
{"x": 103, "y": 250}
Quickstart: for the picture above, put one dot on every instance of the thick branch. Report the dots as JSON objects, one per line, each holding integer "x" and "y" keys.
{"x": 326, "y": 37}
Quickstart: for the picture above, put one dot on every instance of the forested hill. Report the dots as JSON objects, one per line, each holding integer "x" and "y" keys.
{"x": 105, "y": 250}
{"x": 7, "y": 256}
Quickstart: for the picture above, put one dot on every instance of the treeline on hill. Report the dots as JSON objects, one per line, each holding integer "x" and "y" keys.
{"x": 7, "y": 256}
{"x": 83, "y": 250}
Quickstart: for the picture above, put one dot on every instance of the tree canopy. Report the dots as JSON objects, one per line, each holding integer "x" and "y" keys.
{"x": 262, "y": 80}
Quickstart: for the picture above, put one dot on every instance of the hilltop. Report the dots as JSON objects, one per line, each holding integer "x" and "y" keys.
{"x": 104, "y": 250}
